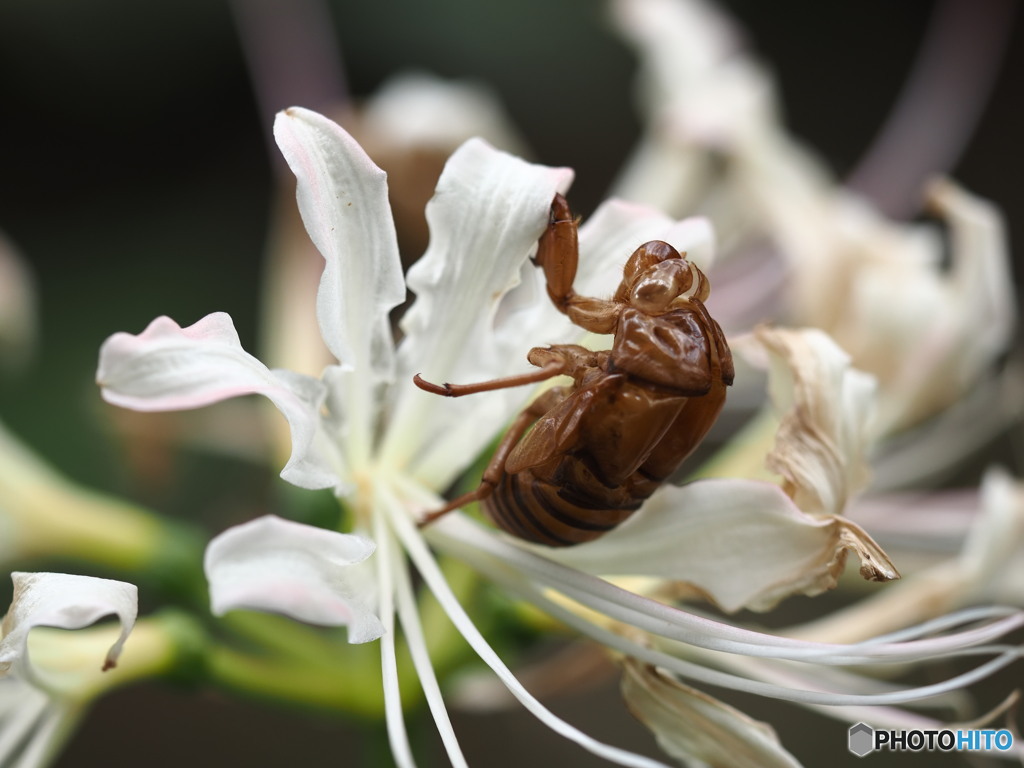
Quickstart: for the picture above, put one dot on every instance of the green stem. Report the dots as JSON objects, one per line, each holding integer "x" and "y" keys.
{"x": 354, "y": 687}
{"x": 46, "y": 516}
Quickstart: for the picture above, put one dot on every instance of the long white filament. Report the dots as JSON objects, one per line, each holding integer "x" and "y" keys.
{"x": 458, "y": 533}
{"x": 438, "y": 585}
{"x": 878, "y": 716}
{"x": 398, "y": 738}
{"x": 408, "y": 614}
{"x": 698, "y": 672}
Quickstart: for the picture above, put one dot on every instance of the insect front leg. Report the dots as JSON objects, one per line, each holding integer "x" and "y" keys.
{"x": 558, "y": 254}
{"x": 496, "y": 467}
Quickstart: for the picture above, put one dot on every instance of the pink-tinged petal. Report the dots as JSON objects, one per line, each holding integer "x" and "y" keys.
{"x": 307, "y": 573}
{"x": 343, "y": 199}
{"x": 467, "y": 323}
{"x": 65, "y": 602}
{"x": 167, "y": 368}
{"x": 741, "y": 543}
{"x": 691, "y": 725}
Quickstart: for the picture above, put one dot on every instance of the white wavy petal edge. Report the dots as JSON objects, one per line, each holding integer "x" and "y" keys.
{"x": 63, "y": 601}
{"x": 307, "y": 573}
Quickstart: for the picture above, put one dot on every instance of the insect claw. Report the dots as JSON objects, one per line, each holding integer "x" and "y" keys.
{"x": 444, "y": 390}
{"x": 427, "y": 519}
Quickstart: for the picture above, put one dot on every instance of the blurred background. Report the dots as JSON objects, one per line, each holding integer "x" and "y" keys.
{"x": 136, "y": 179}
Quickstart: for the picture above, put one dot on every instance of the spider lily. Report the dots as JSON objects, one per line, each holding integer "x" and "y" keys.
{"x": 387, "y": 449}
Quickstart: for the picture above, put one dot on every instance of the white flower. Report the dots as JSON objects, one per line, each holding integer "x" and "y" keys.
{"x": 929, "y": 333}
{"x": 47, "y": 678}
{"x": 388, "y": 449}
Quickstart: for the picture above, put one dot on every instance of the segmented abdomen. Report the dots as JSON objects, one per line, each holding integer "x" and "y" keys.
{"x": 540, "y": 512}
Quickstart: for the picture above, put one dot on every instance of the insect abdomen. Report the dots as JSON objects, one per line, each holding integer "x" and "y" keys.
{"x": 539, "y": 512}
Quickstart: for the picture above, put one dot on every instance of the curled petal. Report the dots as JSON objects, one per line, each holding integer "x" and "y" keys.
{"x": 740, "y": 543}
{"x": 308, "y": 573}
{"x": 168, "y": 368}
{"x": 689, "y": 724}
{"x": 343, "y": 199}
{"x": 65, "y": 602}
{"x": 466, "y": 323}
{"x": 825, "y": 406}
{"x": 942, "y": 328}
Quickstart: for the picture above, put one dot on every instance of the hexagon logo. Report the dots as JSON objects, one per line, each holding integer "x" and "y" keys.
{"x": 862, "y": 739}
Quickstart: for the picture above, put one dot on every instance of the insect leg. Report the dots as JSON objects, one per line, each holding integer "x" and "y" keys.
{"x": 558, "y": 253}
{"x": 548, "y": 370}
{"x": 496, "y": 467}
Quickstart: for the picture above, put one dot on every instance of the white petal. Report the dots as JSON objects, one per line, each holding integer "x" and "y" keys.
{"x": 167, "y": 368}
{"x": 417, "y": 110}
{"x": 308, "y": 573}
{"x": 65, "y": 602}
{"x": 942, "y": 328}
{"x": 343, "y": 199}
{"x": 825, "y": 407}
{"x": 981, "y": 278}
{"x": 690, "y": 724}
{"x": 741, "y": 543}
{"x": 485, "y": 218}
{"x": 698, "y": 95}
